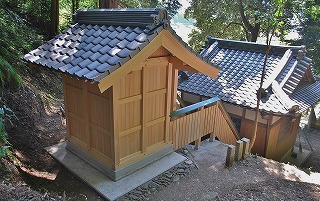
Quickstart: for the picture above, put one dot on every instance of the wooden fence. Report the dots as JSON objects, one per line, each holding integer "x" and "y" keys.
{"x": 210, "y": 117}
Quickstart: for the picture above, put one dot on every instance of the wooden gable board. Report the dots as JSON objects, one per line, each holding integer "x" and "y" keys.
{"x": 169, "y": 42}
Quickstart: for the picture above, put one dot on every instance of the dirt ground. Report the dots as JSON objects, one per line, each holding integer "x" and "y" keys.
{"x": 254, "y": 178}
{"x": 40, "y": 177}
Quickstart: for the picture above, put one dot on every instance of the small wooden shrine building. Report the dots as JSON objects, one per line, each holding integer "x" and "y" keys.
{"x": 120, "y": 75}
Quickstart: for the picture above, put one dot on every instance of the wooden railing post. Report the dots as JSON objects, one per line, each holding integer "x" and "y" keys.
{"x": 198, "y": 141}
{"x": 197, "y": 144}
{"x": 246, "y": 144}
{"x": 211, "y": 137}
{"x": 239, "y": 149}
{"x": 230, "y": 155}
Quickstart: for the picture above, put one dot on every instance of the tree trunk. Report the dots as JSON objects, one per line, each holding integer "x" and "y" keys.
{"x": 54, "y": 18}
{"x": 255, "y": 33}
{"x": 75, "y": 5}
{"x": 108, "y": 4}
{"x": 254, "y": 30}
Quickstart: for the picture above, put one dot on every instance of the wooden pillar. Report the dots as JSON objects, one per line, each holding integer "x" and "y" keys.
{"x": 230, "y": 155}
{"x": 268, "y": 128}
{"x": 246, "y": 144}
{"x": 144, "y": 109}
{"x": 174, "y": 89}
{"x": 115, "y": 127}
{"x": 198, "y": 141}
{"x": 211, "y": 137}
{"x": 87, "y": 114}
{"x": 168, "y": 102}
{"x": 64, "y": 84}
{"x": 238, "y": 152}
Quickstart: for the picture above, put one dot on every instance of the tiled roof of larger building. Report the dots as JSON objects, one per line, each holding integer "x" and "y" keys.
{"x": 241, "y": 65}
{"x": 306, "y": 94}
{"x": 100, "y": 41}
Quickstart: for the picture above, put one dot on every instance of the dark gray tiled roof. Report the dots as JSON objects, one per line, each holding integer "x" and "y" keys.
{"x": 88, "y": 51}
{"x": 306, "y": 94}
{"x": 102, "y": 40}
{"x": 241, "y": 65}
{"x": 95, "y": 45}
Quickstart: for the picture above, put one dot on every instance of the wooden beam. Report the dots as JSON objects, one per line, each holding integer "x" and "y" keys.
{"x": 179, "y": 65}
{"x": 268, "y": 128}
{"x": 157, "y": 60}
{"x": 130, "y": 130}
{"x": 156, "y": 92}
{"x": 130, "y": 99}
{"x": 176, "y": 48}
{"x": 174, "y": 89}
{"x": 156, "y": 121}
{"x": 64, "y": 84}
{"x": 144, "y": 110}
{"x": 87, "y": 114}
{"x": 115, "y": 127}
{"x": 32, "y": 65}
{"x": 168, "y": 102}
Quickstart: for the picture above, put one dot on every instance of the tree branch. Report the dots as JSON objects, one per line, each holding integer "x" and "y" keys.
{"x": 233, "y": 23}
{"x": 244, "y": 18}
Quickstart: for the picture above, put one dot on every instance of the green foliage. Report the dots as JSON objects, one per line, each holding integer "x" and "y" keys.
{"x": 172, "y": 6}
{"x": 16, "y": 38}
{"x": 214, "y": 18}
{"x": 6, "y": 114}
{"x": 37, "y": 12}
{"x": 67, "y": 7}
{"x": 238, "y": 20}
{"x": 138, "y": 4}
{"x": 309, "y": 31}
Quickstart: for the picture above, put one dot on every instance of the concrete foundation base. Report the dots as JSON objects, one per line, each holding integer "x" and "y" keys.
{"x": 298, "y": 158}
{"x": 106, "y": 187}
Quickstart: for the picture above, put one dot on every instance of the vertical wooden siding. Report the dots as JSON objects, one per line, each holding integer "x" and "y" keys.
{"x": 89, "y": 119}
{"x": 141, "y": 99}
{"x": 283, "y": 134}
{"x": 191, "y": 127}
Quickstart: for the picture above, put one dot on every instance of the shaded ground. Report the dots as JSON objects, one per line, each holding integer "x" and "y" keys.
{"x": 313, "y": 136}
{"x": 39, "y": 125}
{"x": 39, "y": 177}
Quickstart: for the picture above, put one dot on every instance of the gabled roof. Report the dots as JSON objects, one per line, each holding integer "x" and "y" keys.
{"x": 241, "y": 65}
{"x": 101, "y": 42}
